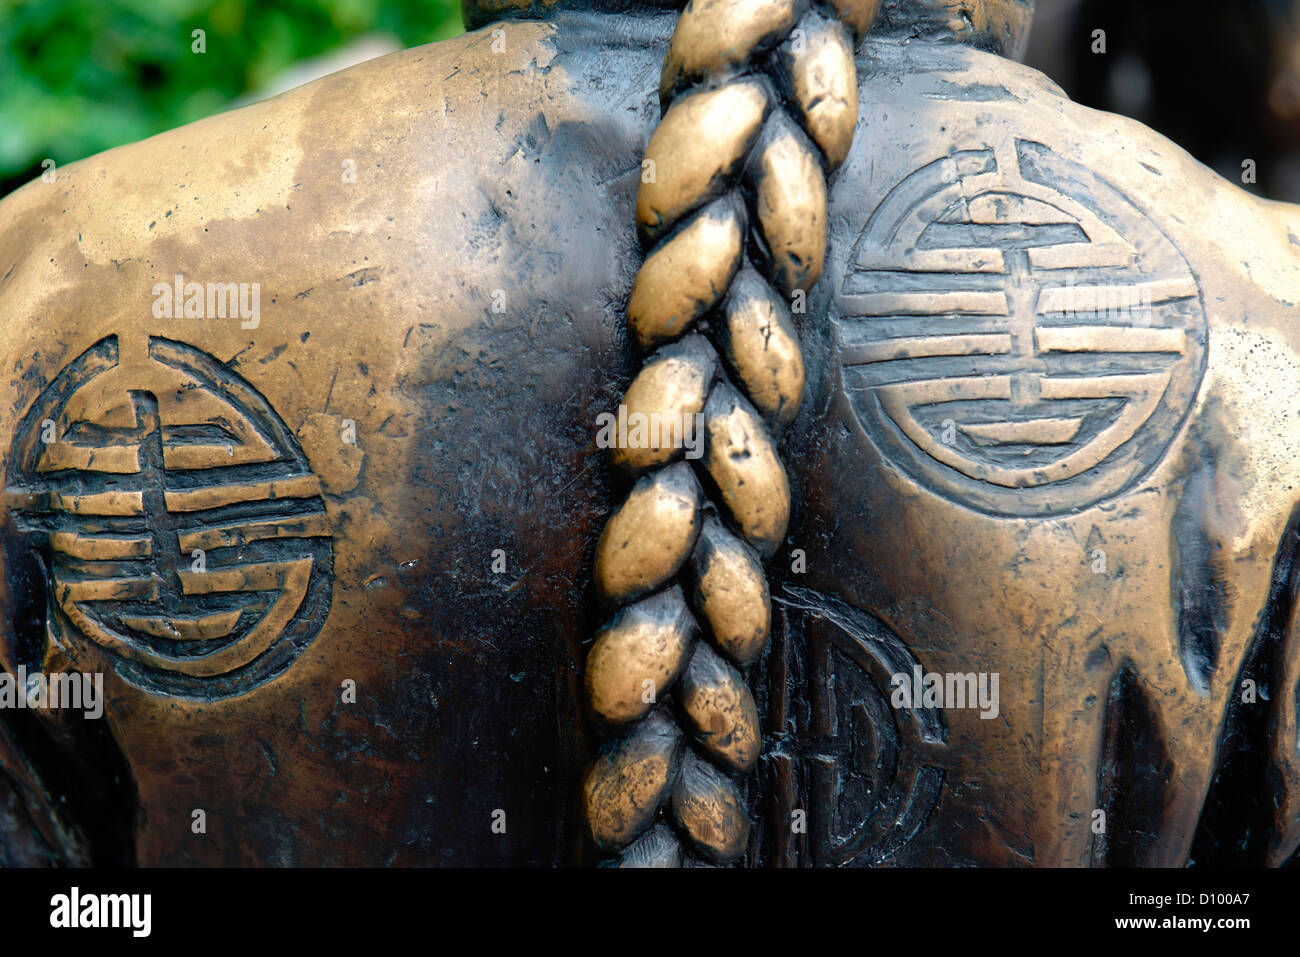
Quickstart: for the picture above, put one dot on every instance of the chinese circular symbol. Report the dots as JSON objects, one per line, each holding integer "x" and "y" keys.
{"x": 1016, "y": 335}
{"x": 179, "y": 526}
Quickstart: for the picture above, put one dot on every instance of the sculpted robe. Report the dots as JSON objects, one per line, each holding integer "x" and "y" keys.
{"x": 335, "y": 563}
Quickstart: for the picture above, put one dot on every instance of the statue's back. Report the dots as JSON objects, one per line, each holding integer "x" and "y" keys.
{"x": 299, "y": 445}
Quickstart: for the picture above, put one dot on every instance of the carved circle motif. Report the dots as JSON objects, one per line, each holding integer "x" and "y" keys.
{"x": 1015, "y": 334}
{"x": 178, "y": 523}
{"x": 876, "y": 771}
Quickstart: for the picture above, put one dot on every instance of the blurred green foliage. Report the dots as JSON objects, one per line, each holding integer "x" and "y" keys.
{"x": 80, "y": 76}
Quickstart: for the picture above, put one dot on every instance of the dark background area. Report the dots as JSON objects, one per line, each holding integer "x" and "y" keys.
{"x": 1221, "y": 78}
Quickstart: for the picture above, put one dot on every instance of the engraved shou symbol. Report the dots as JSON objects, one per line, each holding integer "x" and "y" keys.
{"x": 876, "y": 771}
{"x": 1014, "y": 333}
{"x": 179, "y": 526}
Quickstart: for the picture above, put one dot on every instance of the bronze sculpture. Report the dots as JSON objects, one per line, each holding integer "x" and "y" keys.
{"x": 333, "y": 547}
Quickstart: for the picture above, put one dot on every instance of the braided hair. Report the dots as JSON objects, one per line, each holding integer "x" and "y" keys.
{"x": 759, "y": 104}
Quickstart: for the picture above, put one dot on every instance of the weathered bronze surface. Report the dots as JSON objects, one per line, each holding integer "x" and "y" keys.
{"x": 991, "y": 384}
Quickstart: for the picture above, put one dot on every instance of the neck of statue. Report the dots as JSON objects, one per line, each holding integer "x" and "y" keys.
{"x": 999, "y": 26}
